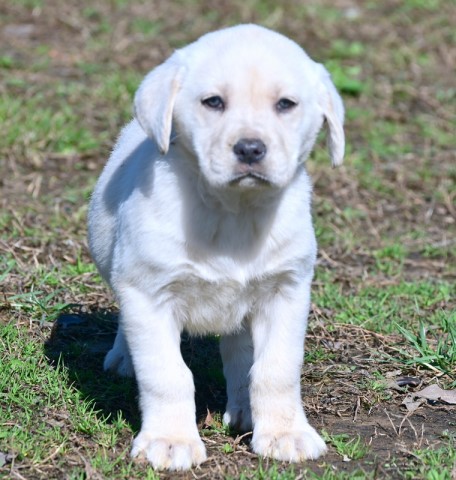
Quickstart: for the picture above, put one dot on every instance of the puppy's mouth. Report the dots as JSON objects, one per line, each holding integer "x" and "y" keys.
{"x": 249, "y": 179}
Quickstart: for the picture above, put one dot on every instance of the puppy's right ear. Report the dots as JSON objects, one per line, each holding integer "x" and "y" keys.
{"x": 154, "y": 101}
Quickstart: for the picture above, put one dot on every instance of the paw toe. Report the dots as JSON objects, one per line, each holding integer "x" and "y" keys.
{"x": 290, "y": 446}
{"x": 169, "y": 454}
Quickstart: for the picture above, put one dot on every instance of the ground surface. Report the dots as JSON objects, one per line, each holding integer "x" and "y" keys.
{"x": 383, "y": 325}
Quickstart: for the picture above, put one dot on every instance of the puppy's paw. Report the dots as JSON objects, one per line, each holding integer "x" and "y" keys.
{"x": 238, "y": 418}
{"x": 169, "y": 453}
{"x": 292, "y": 446}
{"x": 118, "y": 360}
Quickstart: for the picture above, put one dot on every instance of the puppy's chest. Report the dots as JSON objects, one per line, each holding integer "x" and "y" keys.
{"x": 203, "y": 306}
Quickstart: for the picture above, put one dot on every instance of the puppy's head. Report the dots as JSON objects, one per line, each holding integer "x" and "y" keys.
{"x": 246, "y": 102}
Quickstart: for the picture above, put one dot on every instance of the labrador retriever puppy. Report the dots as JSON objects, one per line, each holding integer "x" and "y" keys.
{"x": 201, "y": 221}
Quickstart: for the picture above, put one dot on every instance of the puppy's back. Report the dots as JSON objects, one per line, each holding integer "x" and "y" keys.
{"x": 116, "y": 183}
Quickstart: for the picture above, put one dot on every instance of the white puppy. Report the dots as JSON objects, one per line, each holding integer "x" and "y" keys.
{"x": 201, "y": 222}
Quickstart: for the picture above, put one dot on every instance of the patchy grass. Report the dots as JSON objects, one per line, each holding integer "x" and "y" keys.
{"x": 438, "y": 353}
{"x": 384, "y": 292}
{"x": 31, "y": 426}
{"x": 348, "y": 448}
{"x": 432, "y": 464}
{"x": 388, "y": 308}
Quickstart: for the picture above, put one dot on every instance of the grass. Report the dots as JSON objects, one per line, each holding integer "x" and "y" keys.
{"x": 268, "y": 473}
{"x": 438, "y": 354}
{"x": 383, "y": 296}
{"x": 37, "y": 305}
{"x": 331, "y": 474}
{"x": 431, "y": 464}
{"x": 32, "y": 388}
{"x": 348, "y": 448}
{"x": 46, "y": 412}
{"x": 43, "y": 128}
{"x": 399, "y": 304}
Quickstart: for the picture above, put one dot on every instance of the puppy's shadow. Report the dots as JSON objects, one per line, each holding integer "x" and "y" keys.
{"x": 80, "y": 341}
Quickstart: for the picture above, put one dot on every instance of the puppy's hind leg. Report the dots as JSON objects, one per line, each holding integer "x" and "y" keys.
{"x": 237, "y": 357}
{"x": 118, "y": 359}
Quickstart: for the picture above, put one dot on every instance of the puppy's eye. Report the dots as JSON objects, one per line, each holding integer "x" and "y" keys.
{"x": 285, "y": 104}
{"x": 215, "y": 103}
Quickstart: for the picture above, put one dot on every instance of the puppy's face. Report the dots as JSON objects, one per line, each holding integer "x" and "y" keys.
{"x": 247, "y": 103}
{"x": 247, "y": 118}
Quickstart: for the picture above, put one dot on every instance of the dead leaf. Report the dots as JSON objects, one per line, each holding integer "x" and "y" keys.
{"x": 435, "y": 393}
{"x": 431, "y": 393}
{"x": 411, "y": 404}
{"x": 333, "y": 346}
{"x": 209, "y": 420}
{"x": 6, "y": 458}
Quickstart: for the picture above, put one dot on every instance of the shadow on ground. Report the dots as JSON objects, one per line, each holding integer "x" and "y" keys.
{"x": 81, "y": 340}
{"x": 336, "y": 401}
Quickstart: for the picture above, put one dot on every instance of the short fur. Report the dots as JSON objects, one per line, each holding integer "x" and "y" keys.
{"x": 191, "y": 237}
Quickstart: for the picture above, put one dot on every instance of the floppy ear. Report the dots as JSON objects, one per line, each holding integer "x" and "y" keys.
{"x": 333, "y": 110}
{"x": 154, "y": 101}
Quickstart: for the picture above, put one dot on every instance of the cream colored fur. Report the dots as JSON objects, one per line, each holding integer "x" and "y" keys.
{"x": 191, "y": 238}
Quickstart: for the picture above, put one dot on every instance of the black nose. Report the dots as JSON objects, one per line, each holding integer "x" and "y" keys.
{"x": 249, "y": 150}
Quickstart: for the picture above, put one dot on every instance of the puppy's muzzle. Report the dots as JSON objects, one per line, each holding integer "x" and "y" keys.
{"x": 250, "y": 150}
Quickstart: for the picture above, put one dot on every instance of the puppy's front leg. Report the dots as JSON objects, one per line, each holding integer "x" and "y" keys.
{"x": 169, "y": 436}
{"x": 280, "y": 427}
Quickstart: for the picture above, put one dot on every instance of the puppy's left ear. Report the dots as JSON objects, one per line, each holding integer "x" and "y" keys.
{"x": 154, "y": 101}
{"x": 333, "y": 110}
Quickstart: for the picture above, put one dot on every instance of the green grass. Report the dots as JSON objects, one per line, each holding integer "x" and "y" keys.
{"x": 431, "y": 463}
{"x": 32, "y": 125}
{"x": 333, "y": 474}
{"x": 50, "y": 121}
{"x": 346, "y": 79}
{"x": 376, "y": 389}
{"x": 32, "y": 387}
{"x": 346, "y": 447}
{"x": 45, "y": 411}
{"x": 265, "y": 472}
{"x": 438, "y": 354}
{"x": 383, "y": 309}
{"x": 317, "y": 354}
{"x": 216, "y": 427}
{"x": 37, "y": 305}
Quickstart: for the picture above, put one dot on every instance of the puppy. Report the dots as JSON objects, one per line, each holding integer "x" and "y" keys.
{"x": 201, "y": 221}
